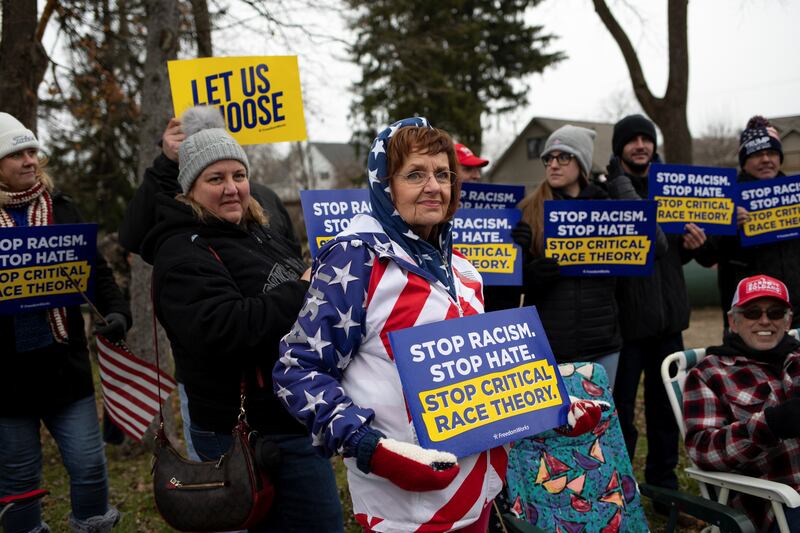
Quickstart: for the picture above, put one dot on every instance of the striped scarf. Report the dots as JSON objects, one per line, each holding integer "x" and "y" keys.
{"x": 39, "y": 213}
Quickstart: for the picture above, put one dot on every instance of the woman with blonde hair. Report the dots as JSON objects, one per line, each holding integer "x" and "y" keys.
{"x": 226, "y": 288}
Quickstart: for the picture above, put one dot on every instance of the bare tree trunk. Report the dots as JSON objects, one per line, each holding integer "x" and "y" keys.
{"x": 668, "y": 112}
{"x": 202, "y": 27}
{"x": 162, "y": 46}
{"x": 22, "y": 61}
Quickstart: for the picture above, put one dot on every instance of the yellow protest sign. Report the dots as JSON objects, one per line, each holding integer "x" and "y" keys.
{"x": 259, "y": 96}
{"x": 773, "y": 219}
{"x": 494, "y": 258}
{"x": 44, "y": 280}
{"x": 627, "y": 250}
{"x": 465, "y": 405}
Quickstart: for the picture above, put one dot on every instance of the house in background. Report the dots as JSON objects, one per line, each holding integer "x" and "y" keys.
{"x": 721, "y": 147}
{"x": 520, "y": 163}
{"x": 789, "y": 130}
{"x": 316, "y": 165}
{"x": 333, "y": 166}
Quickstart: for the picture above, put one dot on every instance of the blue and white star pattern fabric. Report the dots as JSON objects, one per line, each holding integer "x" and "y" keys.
{"x": 321, "y": 345}
{"x": 436, "y": 262}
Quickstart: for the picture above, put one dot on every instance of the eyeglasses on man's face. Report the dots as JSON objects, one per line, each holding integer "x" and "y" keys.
{"x": 562, "y": 158}
{"x": 755, "y": 312}
{"x": 419, "y": 178}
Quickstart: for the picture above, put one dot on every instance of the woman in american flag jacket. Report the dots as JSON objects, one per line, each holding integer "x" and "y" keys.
{"x": 389, "y": 270}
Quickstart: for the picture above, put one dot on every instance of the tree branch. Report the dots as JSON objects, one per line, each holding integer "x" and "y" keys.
{"x": 202, "y": 27}
{"x": 678, "y": 82}
{"x": 640, "y": 88}
{"x": 47, "y": 12}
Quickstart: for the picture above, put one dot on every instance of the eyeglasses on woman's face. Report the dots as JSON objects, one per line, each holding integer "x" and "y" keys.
{"x": 418, "y": 178}
{"x": 562, "y": 158}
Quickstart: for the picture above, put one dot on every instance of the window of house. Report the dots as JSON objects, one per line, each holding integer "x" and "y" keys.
{"x": 324, "y": 175}
{"x": 535, "y": 146}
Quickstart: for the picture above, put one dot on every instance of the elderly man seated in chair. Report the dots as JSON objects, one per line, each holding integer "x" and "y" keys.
{"x": 742, "y": 401}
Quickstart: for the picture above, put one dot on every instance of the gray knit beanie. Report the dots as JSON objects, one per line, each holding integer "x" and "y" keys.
{"x": 14, "y": 136}
{"x": 573, "y": 140}
{"x": 206, "y": 142}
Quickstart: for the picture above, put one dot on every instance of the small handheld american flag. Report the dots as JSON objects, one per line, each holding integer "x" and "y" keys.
{"x": 130, "y": 387}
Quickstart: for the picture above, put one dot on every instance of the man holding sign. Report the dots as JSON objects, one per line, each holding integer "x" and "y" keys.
{"x": 760, "y": 159}
{"x": 654, "y": 310}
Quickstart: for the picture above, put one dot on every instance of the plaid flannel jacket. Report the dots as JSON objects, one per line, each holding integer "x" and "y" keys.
{"x": 723, "y": 407}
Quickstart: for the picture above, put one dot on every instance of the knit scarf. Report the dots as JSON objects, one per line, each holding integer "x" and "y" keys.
{"x": 39, "y": 213}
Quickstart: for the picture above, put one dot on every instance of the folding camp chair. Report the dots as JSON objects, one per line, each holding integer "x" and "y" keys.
{"x": 777, "y": 493}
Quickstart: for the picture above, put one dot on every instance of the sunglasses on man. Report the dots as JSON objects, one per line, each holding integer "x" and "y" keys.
{"x": 755, "y": 313}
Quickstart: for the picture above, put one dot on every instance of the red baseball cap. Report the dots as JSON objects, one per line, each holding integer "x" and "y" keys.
{"x": 759, "y": 286}
{"x": 467, "y": 159}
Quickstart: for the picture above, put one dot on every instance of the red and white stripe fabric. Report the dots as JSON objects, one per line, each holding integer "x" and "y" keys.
{"x": 130, "y": 388}
{"x": 397, "y": 299}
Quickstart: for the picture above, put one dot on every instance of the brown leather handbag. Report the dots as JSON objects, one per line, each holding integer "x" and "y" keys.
{"x": 230, "y": 493}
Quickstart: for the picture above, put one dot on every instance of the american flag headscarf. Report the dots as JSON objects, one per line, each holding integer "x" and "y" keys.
{"x": 434, "y": 260}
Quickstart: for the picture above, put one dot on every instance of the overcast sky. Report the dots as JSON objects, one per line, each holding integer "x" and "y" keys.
{"x": 742, "y": 53}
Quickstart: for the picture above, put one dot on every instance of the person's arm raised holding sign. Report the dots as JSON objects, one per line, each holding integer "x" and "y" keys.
{"x": 387, "y": 271}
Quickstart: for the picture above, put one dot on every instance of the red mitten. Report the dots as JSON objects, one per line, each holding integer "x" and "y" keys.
{"x": 583, "y": 416}
{"x": 413, "y": 468}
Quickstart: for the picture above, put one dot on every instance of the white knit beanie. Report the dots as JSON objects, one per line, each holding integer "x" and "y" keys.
{"x": 206, "y": 142}
{"x": 573, "y": 140}
{"x": 14, "y": 136}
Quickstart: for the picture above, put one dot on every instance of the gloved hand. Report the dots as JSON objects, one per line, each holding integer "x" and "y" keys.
{"x": 540, "y": 273}
{"x": 407, "y": 465}
{"x": 782, "y": 419}
{"x": 583, "y": 416}
{"x": 115, "y": 328}
{"x": 522, "y": 235}
{"x": 614, "y": 168}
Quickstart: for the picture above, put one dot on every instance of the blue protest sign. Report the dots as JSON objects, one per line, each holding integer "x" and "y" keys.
{"x": 480, "y": 381}
{"x": 702, "y": 195}
{"x": 774, "y": 207}
{"x": 483, "y": 236}
{"x": 601, "y": 238}
{"x": 39, "y": 263}
{"x": 329, "y": 211}
{"x": 475, "y": 195}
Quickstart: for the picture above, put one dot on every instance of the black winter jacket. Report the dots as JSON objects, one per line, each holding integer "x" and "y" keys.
{"x": 780, "y": 260}
{"x": 162, "y": 177}
{"x": 579, "y": 314}
{"x": 42, "y": 381}
{"x": 655, "y": 305}
{"x": 224, "y": 312}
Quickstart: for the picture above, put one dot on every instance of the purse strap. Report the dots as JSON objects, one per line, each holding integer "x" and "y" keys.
{"x": 242, "y": 417}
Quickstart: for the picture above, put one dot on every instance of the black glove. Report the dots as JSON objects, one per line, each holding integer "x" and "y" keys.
{"x": 783, "y": 419}
{"x": 522, "y": 235}
{"x": 540, "y": 273}
{"x": 614, "y": 168}
{"x": 115, "y": 328}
